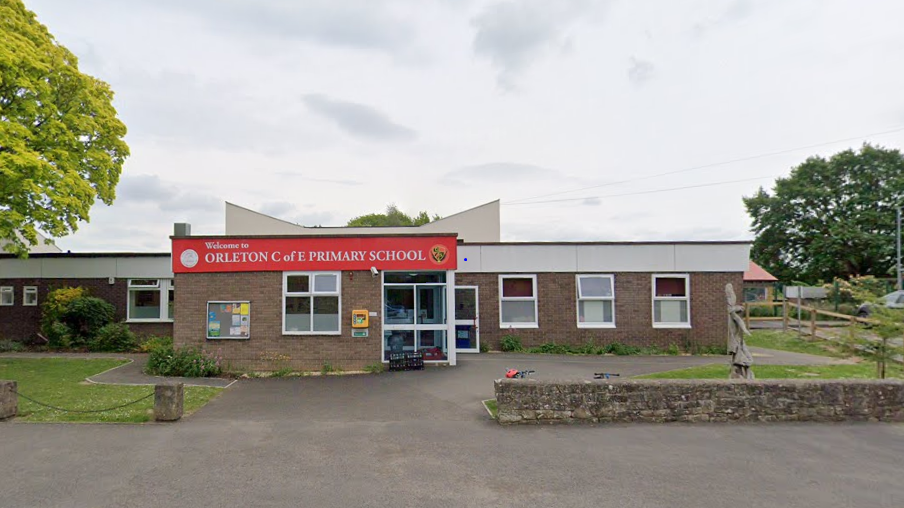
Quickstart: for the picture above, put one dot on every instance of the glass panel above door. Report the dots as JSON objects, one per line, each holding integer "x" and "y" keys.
{"x": 414, "y": 278}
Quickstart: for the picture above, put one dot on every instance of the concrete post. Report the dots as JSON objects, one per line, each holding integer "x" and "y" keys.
{"x": 9, "y": 400}
{"x": 168, "y": 402}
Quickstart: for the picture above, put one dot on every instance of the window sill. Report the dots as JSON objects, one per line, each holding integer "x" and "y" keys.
{"x": 228, "y": 338}
{"x": 593, "y": 325}
{"x": 672, "y": 325}
{"x": 139, "y": 321}
{"x": 504, "y": 326}
{"x": 302, "y": 334}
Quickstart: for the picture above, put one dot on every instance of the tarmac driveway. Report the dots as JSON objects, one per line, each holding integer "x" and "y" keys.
{"x": 420, "y": 439}
{"x": 440, "y": 393}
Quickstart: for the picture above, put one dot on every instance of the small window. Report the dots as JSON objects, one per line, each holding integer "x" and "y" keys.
{"x": 596, "y": 301}
{"x": 150, "y": 300}
{"x": 311, "y": 303}
{"x": 671, "y": 303}
{"x": 6, "y": 295}
{"x": 518, "y": 301}
{"x": 30, "y": 296}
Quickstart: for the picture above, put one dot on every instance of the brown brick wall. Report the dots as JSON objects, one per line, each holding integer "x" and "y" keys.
{"x": 557, "y": 311}
{"x": 359, "y": 290}
{"x": 22, "y": 323}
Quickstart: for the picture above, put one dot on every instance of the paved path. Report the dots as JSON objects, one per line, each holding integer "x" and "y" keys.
{"x": 131, "y": 373}
{"x": 414, "y": 439}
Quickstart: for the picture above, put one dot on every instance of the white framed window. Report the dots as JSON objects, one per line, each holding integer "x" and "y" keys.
{"x": 596, "y": 301}
{"x": 7, "y": 297}
{"x": 671, "y": 301}
{"x": 150, "y": 300}
{"x": 518, "y": 301}
{"x": 30, "y": 296}
{"x": 312, "y": 303}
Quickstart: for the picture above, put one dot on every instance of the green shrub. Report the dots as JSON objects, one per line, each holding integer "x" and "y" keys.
{"x": 55, "y": 305}
{"x": 327, "y": 368}
{"x": 763, "y": 311}
{"x": 549, "y": 348}
{"x": 374, "y": 368}
{"x": 511, "y": 343}
{"x": 155, "y": 342}
{"x": 673, "y": 350}
{"x": 59, "y": 336}
{"x": 85, "y": 316}
{"x": 587, "y": 349}
{"x": 182, "y": 362}
{"x": 11, "y": 346}
{"x": 283, "y": 372}
{"x": 617, "y": 348}
{"x": 484, "y": 348}
{"x": 114, "y": 337}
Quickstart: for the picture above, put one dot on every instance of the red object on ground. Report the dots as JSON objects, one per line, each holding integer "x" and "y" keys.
{"x": 511, "y": 373}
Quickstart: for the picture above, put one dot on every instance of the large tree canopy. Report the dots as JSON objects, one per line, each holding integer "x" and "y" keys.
{"x": 831, "y": 218}
{"x": 392, "y": 217}
{"x": 61, "y": 143}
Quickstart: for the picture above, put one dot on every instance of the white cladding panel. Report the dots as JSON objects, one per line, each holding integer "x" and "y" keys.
{"x": 584, "y": 258}
{"x": 527, "y": 258}
{"x": 82, "y": 268}
{"x": 626, "y": 258}
{"x": 156, "y": 267}
{"x": 712, "y": 258}
{"x": 468, "y": 258}
{"x": 78, "y": 268}
{"x": 20, "y": 268}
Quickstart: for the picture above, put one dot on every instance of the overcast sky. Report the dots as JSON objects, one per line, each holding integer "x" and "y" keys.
{"x": 319, "y": 111}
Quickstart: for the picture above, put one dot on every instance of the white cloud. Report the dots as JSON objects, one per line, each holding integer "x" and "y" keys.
{"x": 410, "y": 111}
{"x": 359, "y": 120}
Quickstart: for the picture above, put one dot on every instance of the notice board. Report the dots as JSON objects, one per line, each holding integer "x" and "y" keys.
{"x": 229, "y": 320}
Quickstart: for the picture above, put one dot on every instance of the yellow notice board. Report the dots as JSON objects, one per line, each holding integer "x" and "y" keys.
{"x": 229, "y": 320}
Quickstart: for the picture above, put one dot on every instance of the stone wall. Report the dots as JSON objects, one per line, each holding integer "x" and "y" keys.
{"x": 658, "y": 401}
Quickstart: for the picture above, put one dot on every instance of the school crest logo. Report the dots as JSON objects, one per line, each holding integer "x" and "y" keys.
{"x": 439, "y": 253}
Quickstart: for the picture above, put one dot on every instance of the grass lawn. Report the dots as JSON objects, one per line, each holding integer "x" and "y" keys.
{"x": 789, "y": 341}
{"x": 864, "y": 370}
{"x": 61, "y": 382}
{"x": 490, "y": 404}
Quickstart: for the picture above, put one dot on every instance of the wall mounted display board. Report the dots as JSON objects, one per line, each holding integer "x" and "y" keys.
{"x": 229, "y": 320}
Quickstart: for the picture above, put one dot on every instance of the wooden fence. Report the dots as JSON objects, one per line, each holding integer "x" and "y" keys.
{"x": 789, "y": 313}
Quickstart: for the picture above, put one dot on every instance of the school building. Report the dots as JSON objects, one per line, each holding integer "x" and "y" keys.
{"x": 271, "y": 294}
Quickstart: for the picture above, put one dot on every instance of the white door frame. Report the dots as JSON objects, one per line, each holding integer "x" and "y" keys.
{"x": 472, "y": 322}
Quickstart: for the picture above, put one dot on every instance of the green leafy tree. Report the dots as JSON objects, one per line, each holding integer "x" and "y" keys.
{"x": 830, "y": 217}
{"x": 392, "y": 217}
{"x": 881, "y": 339}
{"x": 61, "y": 143}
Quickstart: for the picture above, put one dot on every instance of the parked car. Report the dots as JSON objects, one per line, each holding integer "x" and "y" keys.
{"x": 893, "y": 300}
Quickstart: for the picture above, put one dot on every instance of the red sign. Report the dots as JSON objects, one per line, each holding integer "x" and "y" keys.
{"x": 197, "y": 255}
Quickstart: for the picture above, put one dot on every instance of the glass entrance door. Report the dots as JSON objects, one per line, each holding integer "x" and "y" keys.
{"x": 467, "y": 336}
{"x": 415, "y": 314}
